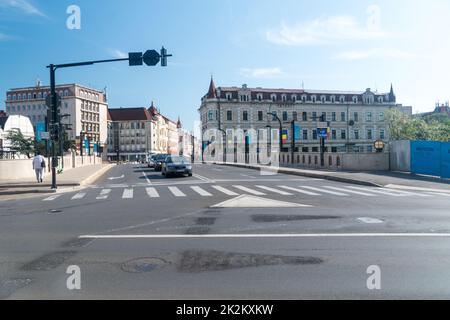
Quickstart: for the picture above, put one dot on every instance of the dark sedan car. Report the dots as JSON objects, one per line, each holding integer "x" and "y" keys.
{"x": 159, "y": 160}
{"x": 176, "y": 165}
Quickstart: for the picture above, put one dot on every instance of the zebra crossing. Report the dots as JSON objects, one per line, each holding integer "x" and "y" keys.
{"x": 187, "y": 191}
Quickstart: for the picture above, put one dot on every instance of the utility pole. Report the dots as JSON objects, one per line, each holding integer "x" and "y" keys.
{"x": 273, "y": 114}
{"x": 292, "y": 140}
{"x": 150, "y": 58}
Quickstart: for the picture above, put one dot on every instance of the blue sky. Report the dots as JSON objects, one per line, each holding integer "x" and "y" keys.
{"x": 343, "y": 45}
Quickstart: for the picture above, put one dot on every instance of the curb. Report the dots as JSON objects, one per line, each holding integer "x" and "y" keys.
{"x": 68, "y": 186}
{"x": 96, "y": 175}
{"x": 303, "y": 174}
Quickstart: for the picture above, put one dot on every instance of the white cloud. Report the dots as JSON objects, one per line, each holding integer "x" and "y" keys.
{"x": 376, "y": 53}
{"x": 261, "y": 72}
{"x": 23, "y": 6}
{"x": 118, "y": 54}
{"x": 323, "y": 31}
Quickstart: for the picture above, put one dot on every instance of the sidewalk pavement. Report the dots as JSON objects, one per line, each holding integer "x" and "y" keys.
{"x": 69, "y": 179}
{"x": 399, "y": 180}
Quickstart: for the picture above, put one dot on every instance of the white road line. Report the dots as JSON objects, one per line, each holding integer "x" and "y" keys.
{"x": 409, "y": 193}
{"x": 439, "y": 194}
{"x": 326, "y": 191}
{"x": 309, "y": 193}
{"x": 103, "y": 194}
{"x": 201, "y": 191}
{"x": 246, "y": 175}
{"x": 370, "y": 220}
{"x": 78, "y": 196}
{"x": 201, "y": 177}
{"x": 51, "y": 198}
{"x": 226, "y": 191}
{"x": 152, "y": 193}
{"x": 127, "y": 194}
{"x": 378, "y": 190}
{"x": 146, "y": 178}
{"x": 248, "y": 190}
{"x": 284, "y": 193}
{"x": 176, "y": 192}
{"x": 283, "y": 235}
{"x": 352, "y": 191}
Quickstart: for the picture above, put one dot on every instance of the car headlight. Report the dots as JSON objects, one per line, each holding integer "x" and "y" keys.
{"x": 189, "y": 167}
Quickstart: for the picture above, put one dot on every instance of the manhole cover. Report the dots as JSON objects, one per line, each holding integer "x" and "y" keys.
{"x": 141, "y": 265}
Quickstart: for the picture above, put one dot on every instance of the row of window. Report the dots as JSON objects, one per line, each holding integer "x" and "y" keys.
{"x": 85, "y": 105}
{"x": 327, "y": 116}
{"x": 367, "y": 99}
{"x": 89, "y": 127}
{"x": 90, "y": 116}
{"x": 34, "y": 95}
{"x": 89, "y": 95}
{"x": 33, "y": 107}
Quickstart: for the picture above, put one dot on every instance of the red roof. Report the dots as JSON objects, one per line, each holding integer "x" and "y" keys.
{"x": 129, "y": 114}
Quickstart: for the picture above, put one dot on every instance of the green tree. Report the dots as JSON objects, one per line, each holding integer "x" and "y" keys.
{"x": 19, "y": 143}
{"x": 405, "y": 127}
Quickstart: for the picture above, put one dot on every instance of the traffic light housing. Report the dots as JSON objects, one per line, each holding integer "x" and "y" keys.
{"x": 163, "y": 57}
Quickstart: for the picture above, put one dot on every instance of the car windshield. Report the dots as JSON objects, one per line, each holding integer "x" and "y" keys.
{"x": 177, "y": 160}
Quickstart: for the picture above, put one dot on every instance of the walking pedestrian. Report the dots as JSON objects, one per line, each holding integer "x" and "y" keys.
{"x": 38, "y": 166}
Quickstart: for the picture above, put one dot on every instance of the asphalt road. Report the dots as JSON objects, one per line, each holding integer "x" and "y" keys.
{"x": 225, "y": 233}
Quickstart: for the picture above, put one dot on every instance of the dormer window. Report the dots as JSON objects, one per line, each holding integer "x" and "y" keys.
{"x": 313, "y": 99}
{"x": 283, "y": 98}
{"x": 380, "y": 99}
{"x": 259, "y": 97}
{"x": 355, "y": 99}
{"x": 323, "y": 99}
{"x": 273, "y": 97}
{"x": 228, "y": 96}
{"x": 342, "y": 99}
{"x": 294, "y": 98}
{"x": 304, "y": 97}
{"x": 333, "y": 99}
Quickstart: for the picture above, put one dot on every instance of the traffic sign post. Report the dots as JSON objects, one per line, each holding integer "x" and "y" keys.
{"x": 53, "y": 101}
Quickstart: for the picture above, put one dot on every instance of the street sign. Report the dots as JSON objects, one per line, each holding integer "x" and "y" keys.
{"x": 135, "y": 59}
{"x": 151, "y": 57}
{"x": 48, "y": 101}
{"x": 297, "y": 133}
{"x": 322, "y": 132}
{"x": 44, "y": 135}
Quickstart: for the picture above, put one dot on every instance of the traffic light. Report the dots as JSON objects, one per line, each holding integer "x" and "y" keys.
{"x": 163, "y": 57}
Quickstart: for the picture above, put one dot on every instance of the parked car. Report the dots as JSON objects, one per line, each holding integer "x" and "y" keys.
{"x": 176, "y": 165}
{"x": 151, "y": 161}
{"x": 159, "y": 160}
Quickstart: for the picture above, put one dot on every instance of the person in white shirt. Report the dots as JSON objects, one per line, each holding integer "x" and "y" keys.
{"x": 38, "y": 166}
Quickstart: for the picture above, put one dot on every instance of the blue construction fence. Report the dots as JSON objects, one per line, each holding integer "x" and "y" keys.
{"x": 430, "y": 158}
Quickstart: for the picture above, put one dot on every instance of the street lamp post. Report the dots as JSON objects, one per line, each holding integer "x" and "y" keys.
{"x": 273, "y": 114}
{"x": 150, "y": 58}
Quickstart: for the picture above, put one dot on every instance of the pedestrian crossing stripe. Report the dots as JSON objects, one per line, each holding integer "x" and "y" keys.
{"x": 236, "y": 190}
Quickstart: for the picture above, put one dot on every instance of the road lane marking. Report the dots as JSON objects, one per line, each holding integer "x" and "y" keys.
{"x": 152, "y": 193}
{"x": 309, "y": 193}
{"x": 78, "y": 196}
{"x": 248, "y": 176}
{"x": 370, "y": 220}
{"x": 51, "y": 198}
{"x": 282, "y": 235}
{"x": 226, "y": 191}
{"x": 326, "y": 191}
{"x": 284, "y": 193}
{"x": 176, "y": 192}
{"x": 103, "y": 194}
{"x": 248, "y": 190}
{"x": 439, "y": 194}
{"x": 146, "y": 178}
{"x": 116, "y": 178}
{"x": 409, "y": 193}
{"x": 352, "y": 191}
{"x": 377, "y": 191}
{"x": 249, "y": 201}
{"x": 201, "y": 177}
{"x": 127, "y": 194}
{"x": 201, "y": 191}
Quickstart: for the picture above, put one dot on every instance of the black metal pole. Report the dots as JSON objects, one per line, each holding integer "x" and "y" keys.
{"x": 54, "y": 109}
{"x": 292, "y": 141}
